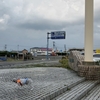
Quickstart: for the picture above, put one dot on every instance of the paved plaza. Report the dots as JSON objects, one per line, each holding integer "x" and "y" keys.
{"x": 45, "y": 81}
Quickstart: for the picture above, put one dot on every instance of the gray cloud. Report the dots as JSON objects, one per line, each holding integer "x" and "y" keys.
{"x": 45, "y": 24}
{"x": 29, "y": 29}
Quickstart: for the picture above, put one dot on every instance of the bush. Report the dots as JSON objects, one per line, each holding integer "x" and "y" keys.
{"x": 64, "y": 63}
{"x": 97, "y": 62}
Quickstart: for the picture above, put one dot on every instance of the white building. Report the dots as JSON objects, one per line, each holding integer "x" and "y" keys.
{"x": 35, "y": 51}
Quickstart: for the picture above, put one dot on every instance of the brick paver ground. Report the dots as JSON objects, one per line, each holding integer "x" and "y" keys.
{"x": 44, "y": 81}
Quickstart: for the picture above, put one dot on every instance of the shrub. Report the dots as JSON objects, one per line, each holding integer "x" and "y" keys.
{"x": 97, "y": 62}
{"x": 64, "y": 63}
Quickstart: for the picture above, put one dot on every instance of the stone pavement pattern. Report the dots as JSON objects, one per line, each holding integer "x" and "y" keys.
{"x": 46, "y": 82}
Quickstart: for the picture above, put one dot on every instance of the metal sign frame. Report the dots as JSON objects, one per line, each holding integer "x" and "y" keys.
{"x": 58, "y": 35}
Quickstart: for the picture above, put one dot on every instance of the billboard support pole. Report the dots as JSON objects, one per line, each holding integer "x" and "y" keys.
{"x": 55, "y": 35}
{"x": 47, "y": 43}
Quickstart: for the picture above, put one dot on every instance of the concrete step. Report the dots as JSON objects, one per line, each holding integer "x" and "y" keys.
{"x": 94, "y": 94}
{"x": 77, "y": 92}
{"x": 51, "y": 91}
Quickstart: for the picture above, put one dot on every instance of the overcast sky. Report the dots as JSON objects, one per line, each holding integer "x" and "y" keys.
{"x": 26, "y": 23}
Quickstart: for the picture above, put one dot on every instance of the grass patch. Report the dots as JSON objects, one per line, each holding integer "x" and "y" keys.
{"x": 11, "y": 60}
{"x": 47, "y": 65}
{"x": 62, "y": 63}
{"x": 39, "y": 65}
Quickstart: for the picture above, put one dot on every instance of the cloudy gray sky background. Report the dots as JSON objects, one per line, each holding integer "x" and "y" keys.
{"x": 26, "y": 23}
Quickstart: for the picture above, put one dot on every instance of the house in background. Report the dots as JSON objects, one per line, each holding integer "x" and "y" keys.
{"x": 35, "y": 51}
{"x": 19, "y": 54}
{"x": 24, "y": 55}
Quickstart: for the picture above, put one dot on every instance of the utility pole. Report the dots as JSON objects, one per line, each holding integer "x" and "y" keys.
{"x": 5, "y": 47}
{"x": 18, "y": 48}
{"x": 56, "y": 49}
{"x": 18, "y": 51}
{"x": 54, "y": 45}
{"x": 65, "y": 49}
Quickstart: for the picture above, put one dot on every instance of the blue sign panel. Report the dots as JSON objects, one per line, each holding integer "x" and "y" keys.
{"x": 58, "y": 35}
{"x": 60, "y": 51}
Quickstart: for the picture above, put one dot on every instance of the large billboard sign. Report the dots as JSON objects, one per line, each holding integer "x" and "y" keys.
{"x": 58, "y": 35}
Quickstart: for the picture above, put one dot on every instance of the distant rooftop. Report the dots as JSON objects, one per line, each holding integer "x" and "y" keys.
{"x": 39, "y": 48}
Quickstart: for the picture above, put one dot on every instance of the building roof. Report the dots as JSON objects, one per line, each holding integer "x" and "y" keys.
{"x": 42, "y": 48}
{"x": 15, "y": 51}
